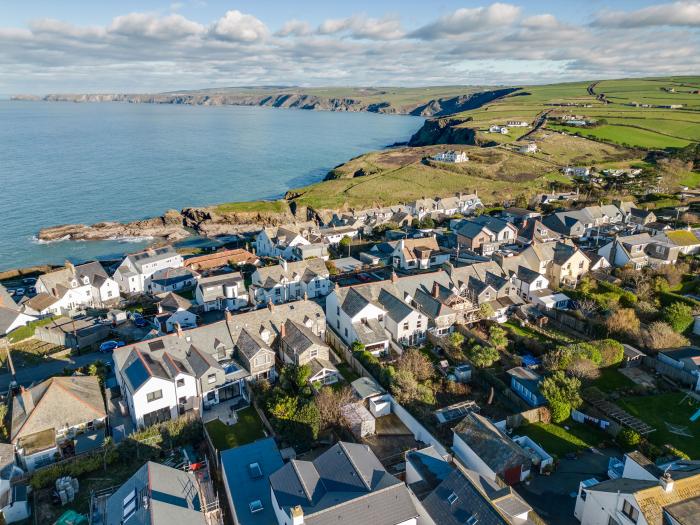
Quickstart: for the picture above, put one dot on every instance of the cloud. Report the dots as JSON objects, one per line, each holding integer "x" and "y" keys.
{"x": 294, "y": 28}
{"x": 235, "y": 26}
{"x": 681, "y": 14}
{"x": 150, "y": 26}
{"x": 362, "y": 27}
{"x": 470, "y": 19}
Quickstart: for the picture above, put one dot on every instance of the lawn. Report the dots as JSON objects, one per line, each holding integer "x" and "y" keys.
{"x": 348, "y": 373}
{"x": 278, "y": 206}
{"x": 556, "y": 439}
{"x": 248, "y": 429}
{"x": 626, "y": 135}
{"x": 611, "y": 380}
{"x": 27, "y": 331}
{"x": 657, "y": 410}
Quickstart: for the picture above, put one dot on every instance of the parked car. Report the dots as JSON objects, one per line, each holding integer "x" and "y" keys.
{"x": 110, "y": 346}
{"x": 19, "y": 291}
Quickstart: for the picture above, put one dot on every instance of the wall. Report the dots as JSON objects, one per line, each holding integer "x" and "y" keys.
{"x": 685, "y": 378}
{"x": 419, "y": 431}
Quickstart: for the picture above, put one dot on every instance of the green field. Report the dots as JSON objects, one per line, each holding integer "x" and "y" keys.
{"x": 556, "y": 439}
{"x": 625, "y": 135}
{"x": 278, "y": 206}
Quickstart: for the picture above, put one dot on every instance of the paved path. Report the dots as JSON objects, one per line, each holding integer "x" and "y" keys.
{"x": 29, "y": 375}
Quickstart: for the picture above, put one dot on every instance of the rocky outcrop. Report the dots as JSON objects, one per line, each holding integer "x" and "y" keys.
{"x": 443, "y": 131}
{"x": 292, "y": 99}
{"x": 169, "y": 226}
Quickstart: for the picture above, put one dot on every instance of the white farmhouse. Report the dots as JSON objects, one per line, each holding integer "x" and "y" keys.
{"x": 455, "y": 157}
{"x": 281, "y": 241}
{"x": 79, "y": 286}
{"x": 503, "y": 130}
{"x": 530, "y": 147}
{"x": 135, "y": 272}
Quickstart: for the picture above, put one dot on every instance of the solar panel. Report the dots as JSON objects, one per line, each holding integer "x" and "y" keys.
{"x": 156, "y": 345}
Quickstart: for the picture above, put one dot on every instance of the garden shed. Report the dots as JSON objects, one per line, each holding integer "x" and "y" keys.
{"x": 360, "y": 421}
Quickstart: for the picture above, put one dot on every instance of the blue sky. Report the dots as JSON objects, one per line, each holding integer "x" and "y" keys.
{"x": 49, "y": 46}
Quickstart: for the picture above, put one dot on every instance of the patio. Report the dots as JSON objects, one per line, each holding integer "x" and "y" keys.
{"x": 224, "y": 411}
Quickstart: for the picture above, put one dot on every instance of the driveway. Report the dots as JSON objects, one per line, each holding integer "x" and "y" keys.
{"x": 551, "y": 496}
{"x": 34, "y": 374}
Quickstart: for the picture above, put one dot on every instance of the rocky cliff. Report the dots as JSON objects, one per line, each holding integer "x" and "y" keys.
{"x": 292, "y": 99}
{"x": 443, "y": 131}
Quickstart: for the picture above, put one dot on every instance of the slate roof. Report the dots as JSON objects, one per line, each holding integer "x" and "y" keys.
{"x": 526, "y": 275}
{"x": 370, "y": 332}
{"x": 305, "y": 271}
{"x": 394, "y": 307}
{"x": 246, "y": 484}
{"x": 57, "y": 402}
{"x": 7, "y": 317}
{"x": 171, "y": 276}
{"x": 171, "y": 494}
{"x": 172, "y": 302}
{"x": 496, "y": 449}
{"x": 298, "y": 338}
{"x": 212, "y": 288}
{"x": 494, "y": 224}
{"x": 348, "y": 483}
{"x": 151, "y": 255}
{"x": 250, "y": 344}
{"x": 40, "y": 302}
{"x": 535, "y": 230}
{"x": 6, "y": 300}
{"x": 470, "y": 229}
{"x": 59, "y": 280}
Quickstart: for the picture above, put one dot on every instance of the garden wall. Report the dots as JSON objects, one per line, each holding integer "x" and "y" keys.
{"x": 419, "y": 431}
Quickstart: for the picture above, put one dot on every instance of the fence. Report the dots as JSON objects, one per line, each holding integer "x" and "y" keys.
{"x": 334, "y": 340}
{"x": 682, "y": 376}
{"x": 420, "y": 433}
{"x": 535, "y": 415}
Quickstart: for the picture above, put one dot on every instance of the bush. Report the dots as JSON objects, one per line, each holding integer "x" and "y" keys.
{"x": 563, "y": 393}
{"x": 660, "y": 335}
{"x": 560, "y": 411}
{"x": 611, "y": 352}
{"x": 679, "y": 316}
{"x": 628, "y": 439}
{"x": 83, "y": 465}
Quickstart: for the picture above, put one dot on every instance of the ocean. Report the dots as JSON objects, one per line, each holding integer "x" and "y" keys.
{"x": 63, "y": 162}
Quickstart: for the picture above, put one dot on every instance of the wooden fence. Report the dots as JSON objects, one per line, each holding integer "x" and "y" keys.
{"x": 687, "y": 379}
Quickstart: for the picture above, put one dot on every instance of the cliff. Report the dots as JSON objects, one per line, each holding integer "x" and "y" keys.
{"x": 442, "y": 131}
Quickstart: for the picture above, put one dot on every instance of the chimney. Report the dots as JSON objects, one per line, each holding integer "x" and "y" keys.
{"x": 283, "y": 262}
{"x": 178, "y": 329}
{"x": 297, "y": 515}
{"x": 436, "y": 289}
{"x": 283, "y": 331}
{"x": 394, "y": 277}
{"x": 270, "y": 305}
{"x": 228, "y": 315}
{"x": 27, "y": 400}
{"x": 666, "y": 482}
{"x": 306, "y": 296}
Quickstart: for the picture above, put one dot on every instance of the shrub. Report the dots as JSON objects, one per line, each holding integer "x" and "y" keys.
{"x": 660, "y": 335}
{"x": 483, "y": 356}
{"x": 679, "y": 316}
{"x": 562, "y": 393}
{"x": 628, "y": 439}
{"x": 612, "y": 352}
{"x": 623, "y": 322}
{"x": 560, "y": 411}
{"x": 83, "y": 465}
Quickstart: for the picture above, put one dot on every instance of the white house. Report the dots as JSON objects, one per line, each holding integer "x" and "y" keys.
{"x": 173, "y": 280}
{"x": 418, "y": 254}
{"x": 281, "y": 241}
{"x": 289, "y": 281}
{"x": 135, "y": 272}
{"x": 530, "y": 147}
{"x": 221, "y": 292}
{"x": 577, "y": 171}
{"x": 14, "y": 504}
{"x": 517, "y": 124}
{"x": 333, "y": 235}
{"x": 11, "y": 318}
{"x": 645, "y": 494}
{"x": 455, "y": 157}
{"x": 640, "y": 250}
{"x": 174, "y": 311}
{"x": 527, "y": 282}
{"x": 498, "y": 129}
{"x": 79, "y": 286}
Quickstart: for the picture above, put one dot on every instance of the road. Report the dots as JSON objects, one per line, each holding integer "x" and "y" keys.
{"x": 29, "y": 375}
{"x": 539, "y": 122}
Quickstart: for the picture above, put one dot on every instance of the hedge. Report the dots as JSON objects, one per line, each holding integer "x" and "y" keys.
{"x": 668, "y": 298}
{"x": 77, "y": 467}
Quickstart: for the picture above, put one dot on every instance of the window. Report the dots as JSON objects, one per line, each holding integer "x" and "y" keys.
{"x": 405, "y": 325}
{"x": 337, "y": 324}
{"x": 211, "y": 379}
{"x": 154, "y": 396}
{"x": 182, "y": 400}
{"x": 180, "y": 382}
{"x": 313, "y": 353}
{"x": 256, "y": 506}
{"x": 452, "y": 498}
{"x": 255, "y": 471}
{"x": 129, "y": 505}
{"x": 583, "y": 495}
{"x": 346, "y": 332}
{"x": 337, "y": 311}
{"x": 580, "y": 265}
{"x": 419, "y": 323}
{"x": 629, "y": 511}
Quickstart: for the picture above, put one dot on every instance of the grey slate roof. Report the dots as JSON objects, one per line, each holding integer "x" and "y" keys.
{"x": 7, "y": 317}
{"x": 6, "y": 300}
{"x": 494, "y": 224}
{"x": 246, "y": 485}
{"x": 470, "y": 229}
{"x": 526, "y": 275}
{"x": 348, "y": 483}
{"x": 298, "y": 338}
{"x": 168, "y": 491}
{"x": 250, "y": 344}
{"x": 394, "y": 307}
{"x": 151, "y": 255}
{"x": 213, "y": 287}
{"x": 370, "y": 332}
{"x": 305, "y": 271}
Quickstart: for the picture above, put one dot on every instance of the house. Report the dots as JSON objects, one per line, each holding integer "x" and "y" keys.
{"x": 77, "y": 287}
{"x": 498, "y": 129}
{"x": 639, "y": 251}
{"x": 281, "y": 241}
{"x": 221, "y": 292}
{"x": 533, "y": 231}
{"x": 234, "y": 258}
{"x": 577, "y": 171}
{"x": 687, "y": 241}
{"x": 641, "y": 217}
{"x": 54, "y": 418}
{"x": 173, "y": 280}
{"x": 560, "y": 262}
{"x": 12, "y": 318}
{"x": 289, "y": 281}
{"x": 245, "y": 471}
{"x": 530, "y": 147}
{"x": 685, "y": 358}
{"x": 314, "y": 250}
{"x": 156, "y": 495}
{"x": 133, "y": 275}
{"x": 645, "y": 494}
{"x": 332, "y": 235}
{"x": 73, "y": 332}
{"x": 571, "y": 223}
{"x": 418, "y": 254}
{"x": 519, "y": 216}
{"x": 485, "y": 234}
{"x": 526, "y": 384}
{"x": 41, "y": 305}
{"x": 211, "y": 364}
{"x": 517, "y": 124}
{"x": 300, "y": 346}
{"x": 174, "y": 311}
{"x": 451, "y": 495}
{"x": 528, "y": 281}
{"x": 452, "y": 156}
{"x": 345, "y": 484}
{"x": 482, "y": 447}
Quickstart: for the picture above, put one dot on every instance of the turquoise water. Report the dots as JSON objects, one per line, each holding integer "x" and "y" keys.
{"x": 66, "y": 163}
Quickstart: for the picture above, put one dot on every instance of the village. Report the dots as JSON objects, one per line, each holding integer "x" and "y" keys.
{"x": 433, "y": 362}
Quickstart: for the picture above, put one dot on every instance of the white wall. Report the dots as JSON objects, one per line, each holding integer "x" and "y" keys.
{"x": 141, "y": 406}
{"x": 470, "y": 459}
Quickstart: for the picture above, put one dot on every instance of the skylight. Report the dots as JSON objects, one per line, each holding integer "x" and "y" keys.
{"x": 452, "y": 498}
{"x": 255, "y": 471}
{"x": 256, "y": 506}
{"x": 129, "y": 505}
{"x": 473, "y": 520}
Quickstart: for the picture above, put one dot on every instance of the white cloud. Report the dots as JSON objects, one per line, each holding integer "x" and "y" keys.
{"x": 362, "y": 27}
{"x": 470, "y": 19}
{"x": 235, "y": 26}
{"x": 673, "y": 14}
{"x": 294, "y": 28}
{"x": 169, "y": 27}
{"x": 540, "y": 22}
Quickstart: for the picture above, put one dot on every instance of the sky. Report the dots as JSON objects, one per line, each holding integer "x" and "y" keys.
{"x": 75, "y": 46}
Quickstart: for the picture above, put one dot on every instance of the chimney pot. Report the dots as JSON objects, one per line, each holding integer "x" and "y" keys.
{"x": 283, "y": 330}
{"x": 394, "y": 277}
{"x": 270, "y": 305}
{"x": 436, "y": 289}
{"x": 228, "y": 315}
{"x": 178, "y": 329}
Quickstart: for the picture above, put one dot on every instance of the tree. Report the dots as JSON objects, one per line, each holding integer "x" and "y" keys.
{"x": 417, "y": 363}
{"x": 622, "y": 321}
{"x": 295, "y": 379}
{"x": 329, "y": 402}
{"x": 483, "y": 356}
{"x": 486, "y": 311}
{"x": 612, "y": 352}
{"x": 584, "y": 368}
{"x": 345, "y": 243}
{"x": 628, "y": 438}
{"x": 453, "y": 346}
{"x": 498, "y": 337}
{"x": 678, "y": 315}
{"x": 357, "y": 346}
{"x": 588, "y": 307}
{"x": 406, "y": 389}
{"x": 660, "y": 335}
{"x": 563, "y": 394}
{"x": 332, "y": 268}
